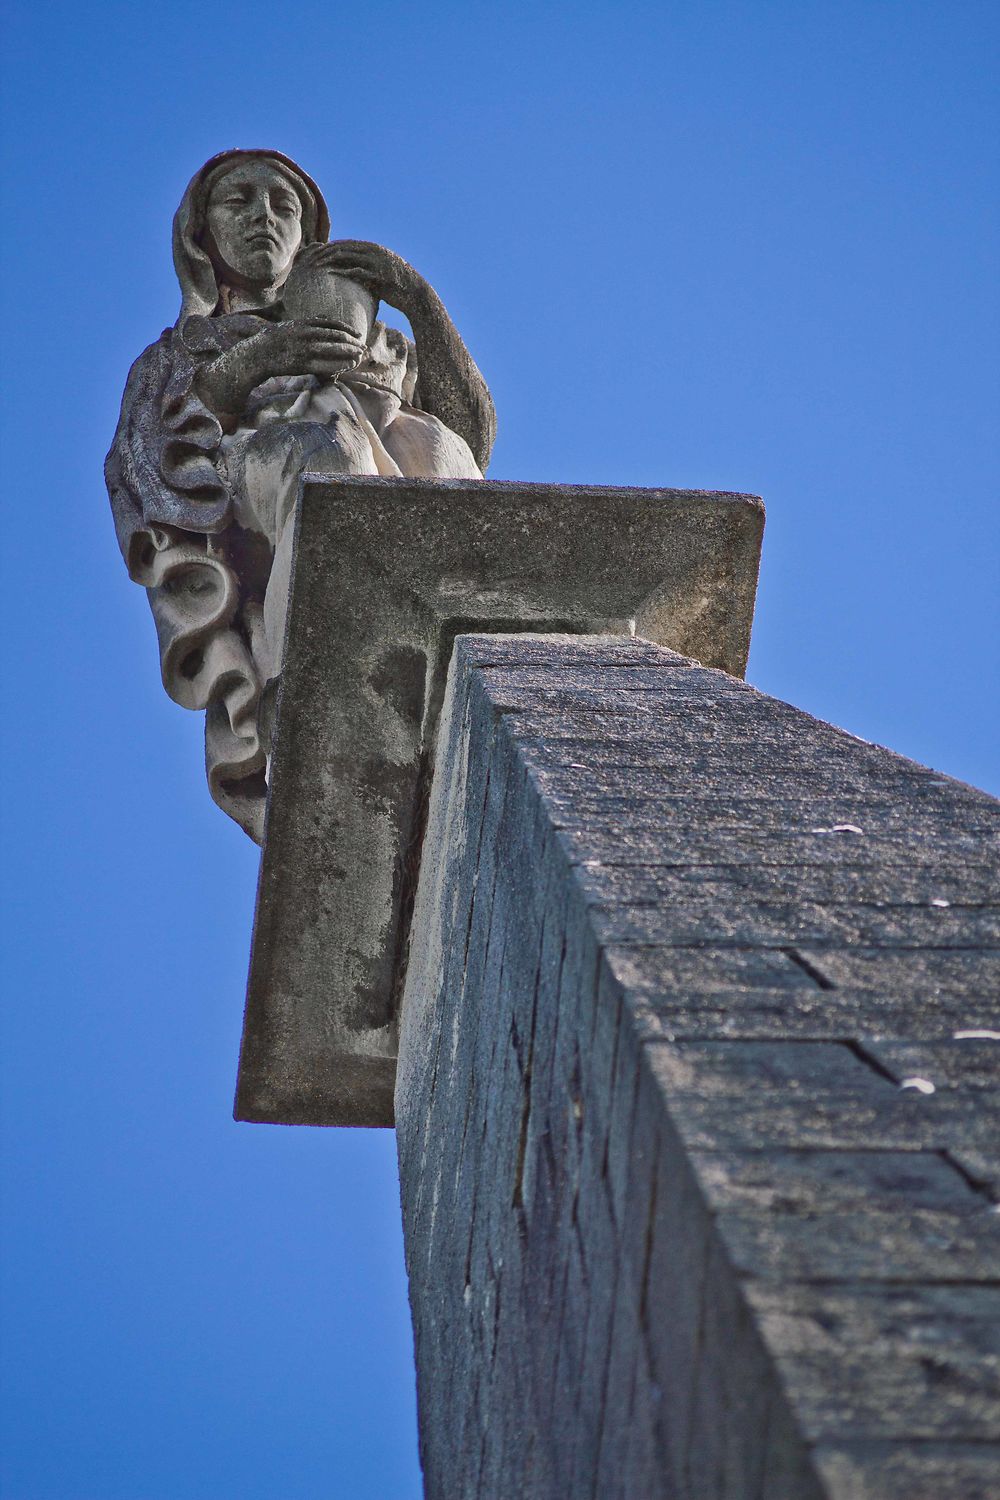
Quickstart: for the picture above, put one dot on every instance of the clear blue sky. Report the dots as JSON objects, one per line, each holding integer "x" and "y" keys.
{"x": 748, "y": 246}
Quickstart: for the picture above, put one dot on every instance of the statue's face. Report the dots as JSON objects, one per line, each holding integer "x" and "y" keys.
{"x": 254, "y": 221}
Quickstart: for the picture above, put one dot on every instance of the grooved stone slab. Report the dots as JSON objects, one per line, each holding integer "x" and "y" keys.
{"x": 386, "y": 573}
{"x": 698, "y": 1098}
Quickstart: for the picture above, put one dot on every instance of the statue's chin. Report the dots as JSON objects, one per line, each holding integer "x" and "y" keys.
{"x": 258, "y": 272}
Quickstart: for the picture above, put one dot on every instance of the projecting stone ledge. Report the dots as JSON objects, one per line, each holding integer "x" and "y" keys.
{"x": 697, "y": 1105}
{"x": 386, "y": 574}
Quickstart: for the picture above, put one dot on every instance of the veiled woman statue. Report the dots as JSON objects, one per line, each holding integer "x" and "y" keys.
{"x": 277, "y": 364}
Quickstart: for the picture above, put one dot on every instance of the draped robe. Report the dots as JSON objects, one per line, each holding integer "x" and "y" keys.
{"x": 204, "y": 515}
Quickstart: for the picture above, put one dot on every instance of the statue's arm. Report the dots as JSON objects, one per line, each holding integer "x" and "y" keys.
{"x": 224, "y": 382}
{"x": 451, "y": 387}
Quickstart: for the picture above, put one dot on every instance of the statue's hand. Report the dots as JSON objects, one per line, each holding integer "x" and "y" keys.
{"x": 387, "y": 275}
{"x": 302, "y": 348}
{"x": 289, "y": 348}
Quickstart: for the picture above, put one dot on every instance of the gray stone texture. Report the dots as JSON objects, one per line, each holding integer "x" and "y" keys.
{"x": 386, "y": 573}
{"x": 697, "y": 1100}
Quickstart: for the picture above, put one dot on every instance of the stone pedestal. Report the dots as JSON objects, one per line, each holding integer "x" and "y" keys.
{"x": 697, "y": 1102}
{"x": 386, "y": 573}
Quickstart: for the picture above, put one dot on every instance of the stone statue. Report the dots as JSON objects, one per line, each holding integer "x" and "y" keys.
{"x": 277, "y": 364}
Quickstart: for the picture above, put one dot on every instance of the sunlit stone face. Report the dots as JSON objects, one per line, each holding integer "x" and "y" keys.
{"x": 254, "y": 222}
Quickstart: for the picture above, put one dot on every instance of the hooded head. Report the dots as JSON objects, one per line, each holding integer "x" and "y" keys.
{"x": 242, "y": 220}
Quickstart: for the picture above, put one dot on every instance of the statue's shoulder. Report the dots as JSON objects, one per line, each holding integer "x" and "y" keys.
{"x": 152, "y": 355}
{"x": 195, "y": 336}
{"x": 173, "y": 357}
{"x": 146, "y": 376}
{"x": 215, "y": 334}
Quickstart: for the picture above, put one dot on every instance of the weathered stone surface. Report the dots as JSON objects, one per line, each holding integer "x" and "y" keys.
{"x": 898, "y": 1471}
{"x": 793, "y": 846}
{"x": 386, "y": 573}
{"x": 964, "y": 1062}
{"x": 680, "y": 1219}
{"x": 887, "y": 1361}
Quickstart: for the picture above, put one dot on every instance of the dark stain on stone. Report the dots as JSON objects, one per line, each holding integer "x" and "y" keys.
{"x": 399, "y": 679}
{"x": 249, "y": 553}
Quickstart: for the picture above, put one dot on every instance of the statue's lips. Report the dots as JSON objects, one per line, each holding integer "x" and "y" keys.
{"x": 262, "y": 240}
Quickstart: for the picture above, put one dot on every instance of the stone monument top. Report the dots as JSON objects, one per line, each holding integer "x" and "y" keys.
{"x": 279, "y": 439}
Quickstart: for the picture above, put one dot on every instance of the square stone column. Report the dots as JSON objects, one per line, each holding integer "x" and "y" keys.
{"x": 698, "y": 1105}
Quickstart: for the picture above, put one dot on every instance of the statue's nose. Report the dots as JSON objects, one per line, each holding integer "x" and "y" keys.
{"x": 263, "y": 213}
